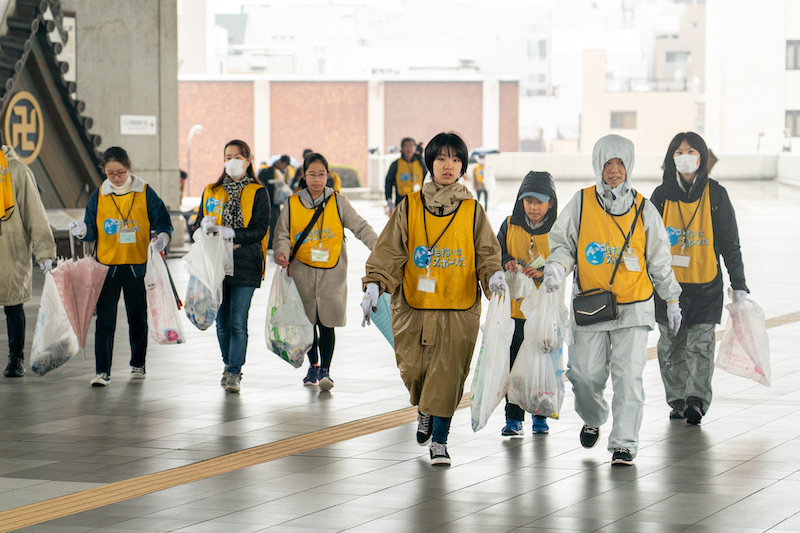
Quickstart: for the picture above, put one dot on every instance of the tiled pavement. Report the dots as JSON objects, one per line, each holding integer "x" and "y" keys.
{"x": 738, "y": 472}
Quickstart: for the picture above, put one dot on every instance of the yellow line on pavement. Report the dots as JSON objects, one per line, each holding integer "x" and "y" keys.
{"x": 71, "y": 504}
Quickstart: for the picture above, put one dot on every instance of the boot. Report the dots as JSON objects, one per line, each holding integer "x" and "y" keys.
{"x": 16, "y": 367}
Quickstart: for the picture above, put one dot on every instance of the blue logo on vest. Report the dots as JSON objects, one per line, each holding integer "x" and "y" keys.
{"x": 404, "y": 177}
{"x": 595, "y": 253}
{"x": 674, "y": 234}
{"x": 110, "y": 226}
{"x": 212, "y": 204}
{"x": 421, "y": 256}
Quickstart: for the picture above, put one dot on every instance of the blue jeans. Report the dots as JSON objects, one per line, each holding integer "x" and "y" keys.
{"x": 441, "y": 428}
{"x": 232, "y": 324}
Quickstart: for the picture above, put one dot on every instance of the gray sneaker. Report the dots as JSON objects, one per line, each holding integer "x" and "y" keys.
{"x": 224, "y": 379}
{"x": 233, "y": 383}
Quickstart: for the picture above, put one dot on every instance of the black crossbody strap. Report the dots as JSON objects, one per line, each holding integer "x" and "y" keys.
{"x": 627, "y": 240}
{"x": 306, "y": 231}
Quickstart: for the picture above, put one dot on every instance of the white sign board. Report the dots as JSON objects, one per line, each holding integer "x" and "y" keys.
{"x": 137, "y": 125}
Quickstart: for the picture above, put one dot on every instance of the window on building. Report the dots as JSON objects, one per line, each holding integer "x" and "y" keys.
{"x": 793, "y": 123}
{"x": 542, "y": 49}
{"x": 792, "y": 55}
{"x": 623, "y": 120}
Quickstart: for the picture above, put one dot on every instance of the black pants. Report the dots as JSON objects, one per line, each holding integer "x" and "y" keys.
{"x": 274, "y": 213}
{"x": 515, "y": 412}
{"x": 124, "y": 281}
{"x": 324, "y": 340}
{"x": 485, "y": 194}
{"x": 15, "y": 324}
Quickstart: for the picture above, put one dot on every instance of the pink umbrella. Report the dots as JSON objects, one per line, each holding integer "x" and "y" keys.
{"x": 79, "y": 284}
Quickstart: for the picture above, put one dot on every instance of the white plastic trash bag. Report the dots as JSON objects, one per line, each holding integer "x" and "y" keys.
{"x": 491, "y": 372}
{"x": 289, "y": 332}
{"x": 744, "y": 350}
{"x": 163, "y": 316}
{"x": 54, "y": 341}
{"x": 210, "y": 259}
{"x": 201, "y": 304}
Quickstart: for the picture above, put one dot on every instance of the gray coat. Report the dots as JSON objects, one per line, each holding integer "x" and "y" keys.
{"x": 323, "y": 291}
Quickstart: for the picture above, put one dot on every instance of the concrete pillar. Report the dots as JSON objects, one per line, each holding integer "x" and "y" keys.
{"x": 491, "y": 114}
{"x": 261, "y": 122}
{"x": 376, "y": 130}
{"x": 715, "y": 57}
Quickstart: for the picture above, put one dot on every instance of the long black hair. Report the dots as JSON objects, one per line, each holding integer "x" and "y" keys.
{"x": 312, "y": 157}
{"x": 245, "y": 149}
{"x": 696, "y": 142}
{"x": 115, "y": 153}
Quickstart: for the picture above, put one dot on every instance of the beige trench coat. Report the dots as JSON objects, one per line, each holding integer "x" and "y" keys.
{"x": 433, "y": 348}
{"x": 323, "y": 291}
{"x": 26, "y": 234}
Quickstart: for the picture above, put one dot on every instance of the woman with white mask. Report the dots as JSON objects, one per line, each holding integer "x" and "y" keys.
{"x": 237, "y": 207}
{"x": 701, "y": 225}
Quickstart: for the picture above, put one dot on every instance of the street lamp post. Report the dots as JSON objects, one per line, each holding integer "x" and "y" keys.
{"x": 197, "y": 128}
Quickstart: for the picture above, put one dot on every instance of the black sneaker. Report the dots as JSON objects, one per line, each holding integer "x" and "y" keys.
{"x": 622, "y": 456}
{"x": 589, "y": 436}
{"x": 694, "y": 410}
{"x": 439, "y": 455}
{"x": 15, "y": 368}
{"x": 424, "y": 429}
{"x": 678, "y": 407}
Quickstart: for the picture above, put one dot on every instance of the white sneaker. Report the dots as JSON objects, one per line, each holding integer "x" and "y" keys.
{"x": 439, "y": 455}
{"x": 100, "y": 380}
{"x": 137, "y": 372}
{"x": 233, "y": 383}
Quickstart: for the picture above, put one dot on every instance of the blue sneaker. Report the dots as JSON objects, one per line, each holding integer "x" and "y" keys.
{"x": 313, "y": 375}
{"x": 540, "y": 424}
{"x": 325, "y": 381}
{"x": 513, "y": 428}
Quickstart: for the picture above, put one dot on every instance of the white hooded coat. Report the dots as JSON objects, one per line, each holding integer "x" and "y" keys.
{"x": 564, "y": 237}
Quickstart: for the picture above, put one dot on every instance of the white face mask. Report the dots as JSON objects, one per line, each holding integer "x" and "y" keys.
{"x": 234, "y": 168}
{"x": 686, "y": 163}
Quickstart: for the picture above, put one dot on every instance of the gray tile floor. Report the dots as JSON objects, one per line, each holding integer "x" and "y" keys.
{"x": 738, "y": 472}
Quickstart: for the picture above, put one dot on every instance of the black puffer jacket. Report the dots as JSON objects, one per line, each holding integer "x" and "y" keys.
{"x": 538, "y": 182}
{"x": 701, "y": 303}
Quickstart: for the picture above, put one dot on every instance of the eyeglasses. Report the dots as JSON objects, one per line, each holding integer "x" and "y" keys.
{"x": 116, "y": 174}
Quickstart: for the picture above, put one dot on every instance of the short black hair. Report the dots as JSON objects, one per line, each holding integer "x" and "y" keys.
{"x": 696, "y": 142}
{"x": 115, "y": 153}
{"x": 448, "y": 143}
{"x": 307, "y": 151}
{"x": 285, "y": 159}
{"x": 407, "y": 140}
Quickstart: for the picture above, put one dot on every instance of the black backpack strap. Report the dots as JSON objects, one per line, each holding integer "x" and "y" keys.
{"x": 627, "y": 240}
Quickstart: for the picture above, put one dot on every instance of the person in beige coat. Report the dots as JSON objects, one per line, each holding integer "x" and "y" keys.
{"x": 24, "y": 235}
{"x": 435, "y": 250}
{"x": 318, "y": 264}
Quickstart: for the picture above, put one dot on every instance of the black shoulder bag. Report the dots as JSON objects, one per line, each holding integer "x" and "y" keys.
{"x": 306, "y": 231}
{"x": 599, "y": 305}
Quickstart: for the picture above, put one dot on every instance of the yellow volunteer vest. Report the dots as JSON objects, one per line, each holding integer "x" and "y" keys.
{"x": 518, "y": 243}
{"x": 328, "y": 231}
{"x": 214, "y": 200}
{"x": 479, "y": 173}
{"x": 408, "y": 177}
{"x": 6, "y": 190}
{"x": 691, "y": 233}
{"x": 452, "y": 257}
{"x": 600, "y": 243}
{"x": 118, "y": 217}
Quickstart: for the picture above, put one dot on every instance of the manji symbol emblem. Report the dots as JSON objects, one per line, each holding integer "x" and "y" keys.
{"x": 23, "y": 126}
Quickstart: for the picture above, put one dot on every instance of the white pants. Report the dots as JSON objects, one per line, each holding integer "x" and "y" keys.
{"x": 623, "y": 354}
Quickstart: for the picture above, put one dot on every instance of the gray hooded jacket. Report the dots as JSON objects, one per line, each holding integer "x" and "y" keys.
{"x": 564, "y": 237}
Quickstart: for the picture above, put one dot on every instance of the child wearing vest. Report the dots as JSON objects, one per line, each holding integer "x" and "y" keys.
{"x": 318, "y": 264}
{"x": 701, "y": 225}
{"x": 524, "y": 244}
{"x": 405, "y": 174}
{"x": 478, "y": 184}
{"x": 588, "y": 238}
{"x": 237, "y": 207}
{"x": 432, "y": 256}
{"x": 119, "y": 217}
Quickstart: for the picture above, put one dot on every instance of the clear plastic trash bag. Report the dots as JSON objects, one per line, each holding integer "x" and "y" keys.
{"x": 289, "y": 333}
{"x": 163, "y": 315}
{"x": 210, "y": 259}
{"x": 491, "y": 371}
{"x": 201, "y": 304}
{"x": 54, "y": 340}
{"x": 744, "y": 350}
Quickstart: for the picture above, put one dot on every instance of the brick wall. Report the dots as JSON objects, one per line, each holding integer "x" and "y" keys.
{"x": 509, "y": 116}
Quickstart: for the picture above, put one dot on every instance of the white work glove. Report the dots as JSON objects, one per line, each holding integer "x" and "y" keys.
{"x": 553, "y": 276}
{"x": 738, "y": 295}
{"x": 224, "y": 231}
{"x": 497, "y": 283}
{"x": 160, "y": 242}
{"x": 46, "y": 265}
{"x": 207, "y": 223}
{"x": 78, "y": 228}
{"x": 674, "y": 317}
{"x": 369, "y": 303}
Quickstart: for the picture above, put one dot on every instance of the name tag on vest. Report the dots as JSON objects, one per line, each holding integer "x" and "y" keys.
{"x": 127, "y": 237}
{"x": 320, "y": 255}
{"x": 681, "y": 261}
